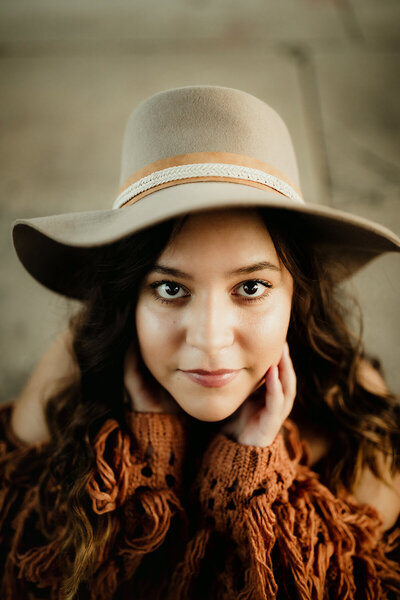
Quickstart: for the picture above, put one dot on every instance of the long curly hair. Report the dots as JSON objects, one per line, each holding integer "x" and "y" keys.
{"x": 324, "y": 351}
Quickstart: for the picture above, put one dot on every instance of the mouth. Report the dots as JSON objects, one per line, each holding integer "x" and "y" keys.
{"x": 212, "y": 378}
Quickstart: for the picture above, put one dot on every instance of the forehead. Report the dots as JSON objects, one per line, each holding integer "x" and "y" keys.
{"x": 221, "y": 235}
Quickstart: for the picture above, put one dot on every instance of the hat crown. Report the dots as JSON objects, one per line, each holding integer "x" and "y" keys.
{"x": 206, "y": 119}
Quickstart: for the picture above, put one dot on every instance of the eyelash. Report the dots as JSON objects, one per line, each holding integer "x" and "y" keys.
{"x": 156, "y": 284}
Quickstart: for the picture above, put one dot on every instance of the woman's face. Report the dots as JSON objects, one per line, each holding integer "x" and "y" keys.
{"x": 213, "y": 314}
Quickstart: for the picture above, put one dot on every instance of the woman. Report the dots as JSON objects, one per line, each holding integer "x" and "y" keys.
{"x": 151, "y": 454}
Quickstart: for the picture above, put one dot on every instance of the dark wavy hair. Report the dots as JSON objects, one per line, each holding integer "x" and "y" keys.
{"x": 325, "y": 354}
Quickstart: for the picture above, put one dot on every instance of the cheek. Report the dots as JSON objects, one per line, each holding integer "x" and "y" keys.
{"x": 155, "y": 335}
{"x": 268, "y": 333}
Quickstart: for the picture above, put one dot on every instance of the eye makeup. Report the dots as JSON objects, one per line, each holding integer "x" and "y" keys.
{"x": 156, "y": 285}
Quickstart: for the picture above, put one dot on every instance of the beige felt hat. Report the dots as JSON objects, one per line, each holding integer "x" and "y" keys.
{"x": 188, "y": 149}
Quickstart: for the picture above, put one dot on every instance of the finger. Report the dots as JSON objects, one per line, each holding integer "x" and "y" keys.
{"x": 274, "y": 396}
{"x": 258, "y": 385}
{"x": 287, "y": 374}
{"x": 268, "y": 421}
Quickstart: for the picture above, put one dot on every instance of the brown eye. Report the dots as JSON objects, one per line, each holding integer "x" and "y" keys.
{"x": 169, "y": 290}
{"x": 252, "y": 288}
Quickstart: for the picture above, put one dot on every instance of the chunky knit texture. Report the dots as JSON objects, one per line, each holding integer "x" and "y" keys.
{"x": 154, "y": 463}
{"x": 251, "y": 523}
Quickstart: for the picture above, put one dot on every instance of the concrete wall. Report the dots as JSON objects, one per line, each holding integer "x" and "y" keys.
{"x": 72, "y": 71}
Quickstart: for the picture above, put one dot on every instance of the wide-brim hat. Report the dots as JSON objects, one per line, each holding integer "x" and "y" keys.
{"x": 190, "y": 149}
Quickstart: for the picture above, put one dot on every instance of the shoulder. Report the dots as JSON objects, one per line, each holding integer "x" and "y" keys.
{"x": 370, "y": 378}
{"x": 385, "y": 497}
{"x": 318, "y": 444}
{"x": 55, "y": 366}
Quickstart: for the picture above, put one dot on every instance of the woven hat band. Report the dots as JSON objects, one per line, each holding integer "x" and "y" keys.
{"x": 205, "y": 166}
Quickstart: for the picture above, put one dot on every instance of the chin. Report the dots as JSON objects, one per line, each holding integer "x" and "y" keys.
{"x": 207, "y": 418}
{"x": 213, "y": 410}
{"x": 209, "y": 404}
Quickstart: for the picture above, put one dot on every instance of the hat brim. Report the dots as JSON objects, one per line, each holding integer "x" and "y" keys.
{"x": 54, "y": 248}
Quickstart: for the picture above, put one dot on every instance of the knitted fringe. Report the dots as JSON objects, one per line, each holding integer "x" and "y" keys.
{"x": 325, "y": 542}
{"x": 159, "y": 507}
{"x": 320, "y": 543}
{"x": 114, "y": 478}
{"x": 8, "y": 500}
{"x": 259, "y": 581}
{"x": 11, "y": 587}
{"x": 39, "y": 564}
{"x": 186, "y": 571}
{"x": 105, "y": 583}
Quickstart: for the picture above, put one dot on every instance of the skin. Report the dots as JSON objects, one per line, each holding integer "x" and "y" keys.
{"x": 55, "y": 367}
{"x": 212, "y": 316}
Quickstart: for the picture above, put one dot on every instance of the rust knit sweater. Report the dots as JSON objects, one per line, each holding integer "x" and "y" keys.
{"x": 199, "y": 517}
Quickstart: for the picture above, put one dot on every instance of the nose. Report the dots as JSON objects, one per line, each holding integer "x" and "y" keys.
{"x": 210, "y": 324}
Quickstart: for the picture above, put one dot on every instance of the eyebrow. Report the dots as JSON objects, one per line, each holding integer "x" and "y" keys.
{"x": 259, "y": 266}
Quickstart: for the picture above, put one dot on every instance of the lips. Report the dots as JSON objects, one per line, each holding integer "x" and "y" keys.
{"x": 215, "y": 379}
{"x": 218, "y": 372}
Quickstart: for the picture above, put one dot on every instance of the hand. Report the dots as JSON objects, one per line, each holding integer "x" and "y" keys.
{"x": 144, "y": 392}
{"x": 260, "y": 417}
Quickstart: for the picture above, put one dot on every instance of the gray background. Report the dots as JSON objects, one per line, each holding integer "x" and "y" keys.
{"x": 72, "y": 71}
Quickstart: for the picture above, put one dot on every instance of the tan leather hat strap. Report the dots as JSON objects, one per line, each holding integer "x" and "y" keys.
{"x": 205, "y": 166}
